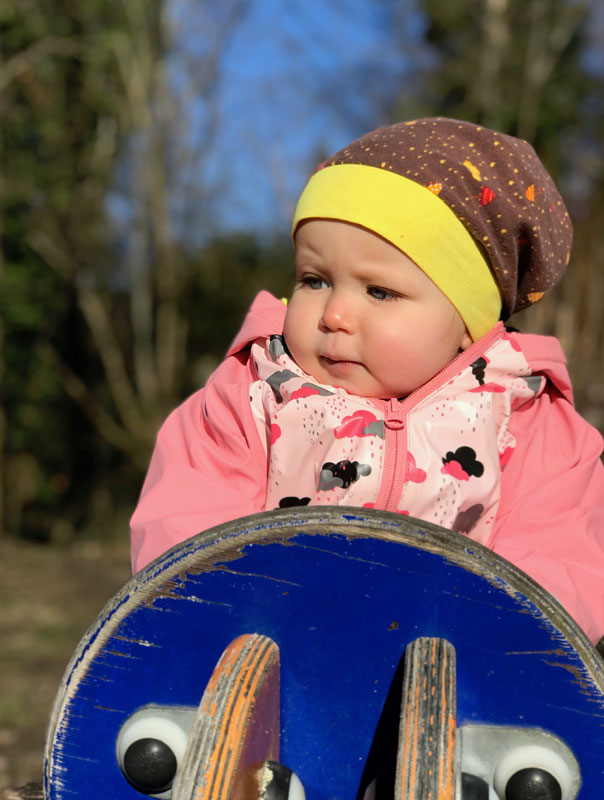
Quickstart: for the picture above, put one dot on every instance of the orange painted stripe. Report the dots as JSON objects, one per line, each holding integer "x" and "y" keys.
{"x": 428, "y": 733}
{"x": 222, "y": 673}
{"x": 244, "y": 665}
{"x": 445, "y": 762}
{"x": 223, "y": 761}
{"x": 234, "y": 722}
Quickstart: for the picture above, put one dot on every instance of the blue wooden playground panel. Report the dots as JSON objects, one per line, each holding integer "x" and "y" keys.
{"x": 342, "y": 592}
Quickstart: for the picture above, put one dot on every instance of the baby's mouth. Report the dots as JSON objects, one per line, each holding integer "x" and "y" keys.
{"x": 329, "y": 361}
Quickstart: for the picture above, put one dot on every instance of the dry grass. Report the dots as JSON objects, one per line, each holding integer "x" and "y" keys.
{"x": 49, "y": 596}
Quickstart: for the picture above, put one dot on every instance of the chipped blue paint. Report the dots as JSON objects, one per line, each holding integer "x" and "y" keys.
{"x": 90, "y": 639}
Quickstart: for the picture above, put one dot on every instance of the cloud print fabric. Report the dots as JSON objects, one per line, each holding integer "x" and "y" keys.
{"x": 329, "y": 447}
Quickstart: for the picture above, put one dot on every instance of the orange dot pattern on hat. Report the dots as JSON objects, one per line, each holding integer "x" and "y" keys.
{"x": 496, "y": 186}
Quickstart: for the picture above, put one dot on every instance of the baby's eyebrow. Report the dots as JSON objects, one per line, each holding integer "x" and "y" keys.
{"x": 307, "y": 253}
{"x": 308, "y": 261}
{"x": 307, "y": 245}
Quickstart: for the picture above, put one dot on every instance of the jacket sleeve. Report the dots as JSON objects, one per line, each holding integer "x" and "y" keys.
{"x": 551, "y": 517}
{"x": 209, "y": 466}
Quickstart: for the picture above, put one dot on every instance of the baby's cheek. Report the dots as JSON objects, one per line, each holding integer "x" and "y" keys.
{"x": 289, "y": 325}
{"x": 392, "y": 342}
{"x": 295, "y": 332}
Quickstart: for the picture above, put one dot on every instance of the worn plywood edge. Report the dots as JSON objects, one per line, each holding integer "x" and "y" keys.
{"x": 236, "y": 728}
{"x": 225, "y": 543}
{"x": 426, "y": 763}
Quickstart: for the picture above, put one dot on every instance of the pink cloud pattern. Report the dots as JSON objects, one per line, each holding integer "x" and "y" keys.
{"x": 361, "y": 423}
{"x": 494, "y": 388}
{"x": 304, "y": 391}
{"x": 455, "y": 469}
{"x": 414, "y": 473}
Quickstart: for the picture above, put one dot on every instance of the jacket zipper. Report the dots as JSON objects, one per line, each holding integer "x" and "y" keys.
{"x": 395, "y": 456}
{"x": 396, "y": 413}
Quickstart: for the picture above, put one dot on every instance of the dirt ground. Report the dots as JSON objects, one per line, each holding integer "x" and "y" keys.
{"x": 49, "y": 597}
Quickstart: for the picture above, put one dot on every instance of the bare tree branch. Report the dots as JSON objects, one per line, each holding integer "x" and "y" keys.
{"x": 551, "y": 26}
{"x": 113, "y": 433}
{"x": 28, "y": 58}
{"x": 111, "y": 354}
{"x": 496, "y": 33}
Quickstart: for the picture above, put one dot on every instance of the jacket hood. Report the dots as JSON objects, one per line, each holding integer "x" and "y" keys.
{"x": 545, "y": 355}
{"x": 265, "y": 317}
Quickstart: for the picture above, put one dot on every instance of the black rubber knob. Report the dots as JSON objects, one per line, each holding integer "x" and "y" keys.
{"x": 473, "y": 787}
{"x": 150, "y": 765}
{"x": 533, "y": 783}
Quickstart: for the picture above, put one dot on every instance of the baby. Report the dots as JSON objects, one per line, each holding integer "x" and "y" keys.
{"x": 390, "y": 380}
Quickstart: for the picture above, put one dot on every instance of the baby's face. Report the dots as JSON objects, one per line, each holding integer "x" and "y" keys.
{"x": 364, "y": 317}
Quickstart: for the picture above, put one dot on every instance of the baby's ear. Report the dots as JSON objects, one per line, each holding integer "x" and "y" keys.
{"x": 466, "y": 341}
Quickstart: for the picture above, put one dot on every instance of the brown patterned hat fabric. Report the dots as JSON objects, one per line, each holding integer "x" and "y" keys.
{"x": 495, "y": 185}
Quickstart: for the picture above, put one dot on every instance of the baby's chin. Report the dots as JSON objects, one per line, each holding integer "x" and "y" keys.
{"x": 356, "y": 389}
{"x": 349, "y": 376}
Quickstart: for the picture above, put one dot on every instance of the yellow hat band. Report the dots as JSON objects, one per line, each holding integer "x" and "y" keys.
{"x": 418, "y": 223}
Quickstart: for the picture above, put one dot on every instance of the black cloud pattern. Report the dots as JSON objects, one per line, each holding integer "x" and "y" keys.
{"x": 466, "y": 458}
{"x": 291, "y": 502}
{"x": 341, "y": 474}
{"x": 478, "y": 368}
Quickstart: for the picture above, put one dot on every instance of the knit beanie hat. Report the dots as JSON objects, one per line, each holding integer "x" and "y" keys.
{"x": 474, "y": 209}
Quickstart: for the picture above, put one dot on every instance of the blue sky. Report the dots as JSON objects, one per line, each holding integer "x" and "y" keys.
{"x": 296, "y": 80}
{"x": 298, "y": 77}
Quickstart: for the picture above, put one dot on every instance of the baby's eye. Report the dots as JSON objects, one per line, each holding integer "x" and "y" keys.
{"x": 381, "y": 294}
{"x": 313, "y": 282}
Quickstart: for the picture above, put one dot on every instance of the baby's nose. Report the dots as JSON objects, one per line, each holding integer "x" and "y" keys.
{"x": 338, "y": 314}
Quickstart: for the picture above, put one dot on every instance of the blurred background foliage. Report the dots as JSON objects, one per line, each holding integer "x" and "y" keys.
{"x": 128, "y": 258}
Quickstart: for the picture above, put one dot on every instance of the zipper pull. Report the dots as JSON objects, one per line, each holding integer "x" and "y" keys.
{"x": 394, "y": 418}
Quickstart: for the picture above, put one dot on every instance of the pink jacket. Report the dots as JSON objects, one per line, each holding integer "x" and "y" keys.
{"x": 491, "y": 447}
